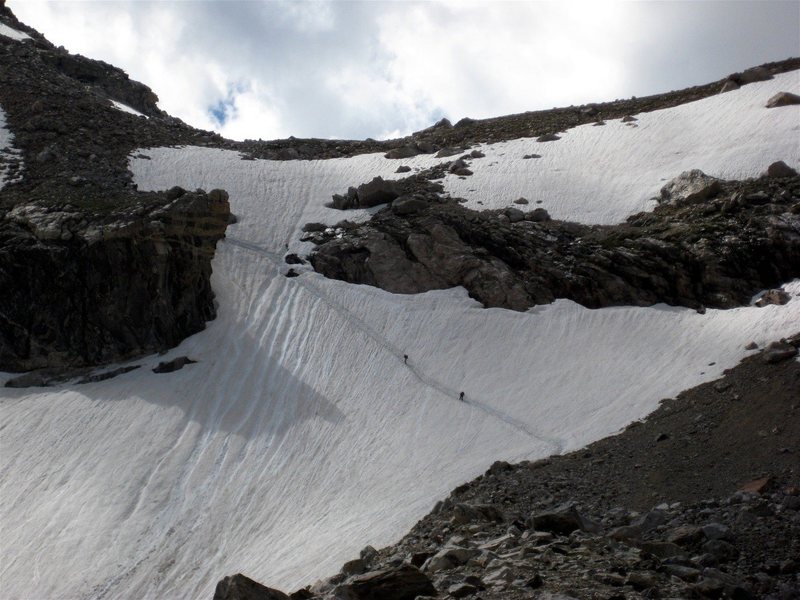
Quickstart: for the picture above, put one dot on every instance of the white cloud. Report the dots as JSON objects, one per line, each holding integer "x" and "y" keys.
{"x": 359, "y": 69}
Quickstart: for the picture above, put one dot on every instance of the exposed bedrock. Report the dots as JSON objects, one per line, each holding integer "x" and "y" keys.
{"x": 86, "y": 288}
{"x": 714, "y": 248}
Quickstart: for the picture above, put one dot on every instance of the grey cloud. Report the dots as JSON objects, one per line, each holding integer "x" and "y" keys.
{"x": 293, "y": 50}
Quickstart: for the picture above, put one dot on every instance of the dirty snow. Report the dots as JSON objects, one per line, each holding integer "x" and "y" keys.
{"x": 300, "y": 435}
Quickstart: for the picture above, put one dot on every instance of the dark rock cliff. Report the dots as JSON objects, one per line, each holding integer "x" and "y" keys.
{"x": 93, "y": 271}
{"x": 714, "y": 252}
{"x": 85, "y": 288}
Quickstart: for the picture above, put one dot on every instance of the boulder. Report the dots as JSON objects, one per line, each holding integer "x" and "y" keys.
{"x": 377, "y": 191}
{"x": 448, "y": 558}
{"x": 778, "y": 352}
{"x": 293, "y": 259}
{"x": 538, "y": 215}
{"x": 629, "y": 119}
{"x": 403, "y": 169}
{"x": 756, "y": 486}
{"x": 783, "y": 99}
{"x": 773, "y": 297}
{"x": 685, "y": 535}
{"x": 780, "y": 169}
{"x": 548, "y": 137}
{"x": 476, "y": 154}
{"x": 561, "y": 522}
{"x": 521, "y": 201}
{"x": 402, "y": 152}
{"x": 404, "y": 582}
{"x": 354, "y": 567}
{"x": 689, "y": 187}
{"x": 457, "y": 165}
{"x": 514, "y": 215}
{"x": 426, "y": 147}
{"x": 239, "y": 587}
{"x": 409, "y": 205}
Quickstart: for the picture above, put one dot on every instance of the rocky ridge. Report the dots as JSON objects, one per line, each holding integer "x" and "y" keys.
{"x": 709, "y": 243}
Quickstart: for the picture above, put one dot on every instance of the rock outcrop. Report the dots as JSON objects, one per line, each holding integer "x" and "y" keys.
{"x": 87, "y": 287}
{"x": 709, "y": 243}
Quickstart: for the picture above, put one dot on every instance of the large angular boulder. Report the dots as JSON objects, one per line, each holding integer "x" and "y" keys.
{"x": 689, "y": 187}
{"x": 561, "y": 522}
{"x": 240, "y": 587}
{"x": 780, "y": 169}
{"x": 405, "y": 582}
{"x": 448, "y": 558}
{"x": 377, "y": 191}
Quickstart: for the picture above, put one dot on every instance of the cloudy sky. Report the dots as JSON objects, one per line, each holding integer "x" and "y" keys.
{"x": 347, "y": 69}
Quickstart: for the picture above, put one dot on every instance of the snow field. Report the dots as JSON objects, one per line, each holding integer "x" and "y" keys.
{"x": 13, "y": 33}
{"x": 604, "y": 174}
{"x": 300, "y": 436}
{"x": 127, "y": 109}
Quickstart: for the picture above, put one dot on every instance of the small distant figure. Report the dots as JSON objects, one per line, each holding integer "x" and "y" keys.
{"x": 461, "y": 396}
{"x": 405, "y": 359}
{"x": 286, "y": 245}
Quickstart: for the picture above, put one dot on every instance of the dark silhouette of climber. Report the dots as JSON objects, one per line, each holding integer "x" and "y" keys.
{"x": 461, "y": 396}
{"x": 405, "y": 359}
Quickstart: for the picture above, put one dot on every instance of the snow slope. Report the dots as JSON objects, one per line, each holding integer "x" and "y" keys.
{"x": 604, "y": 174}
{"x": 300, "y": 435}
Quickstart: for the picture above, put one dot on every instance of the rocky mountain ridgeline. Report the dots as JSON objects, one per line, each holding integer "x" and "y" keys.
{"x": 700, "y": 500}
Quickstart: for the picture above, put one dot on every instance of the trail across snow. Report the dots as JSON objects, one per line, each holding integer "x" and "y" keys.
{"x": 300, "y": 435}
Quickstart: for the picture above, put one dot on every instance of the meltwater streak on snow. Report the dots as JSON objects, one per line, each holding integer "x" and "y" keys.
{"x": 13, "y": 33}
{"x": 300, "y": 436}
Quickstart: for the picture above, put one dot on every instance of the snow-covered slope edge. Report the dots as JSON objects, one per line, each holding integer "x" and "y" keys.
{"x": 301, "y": 435}
{"x": 10, "y": 159}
